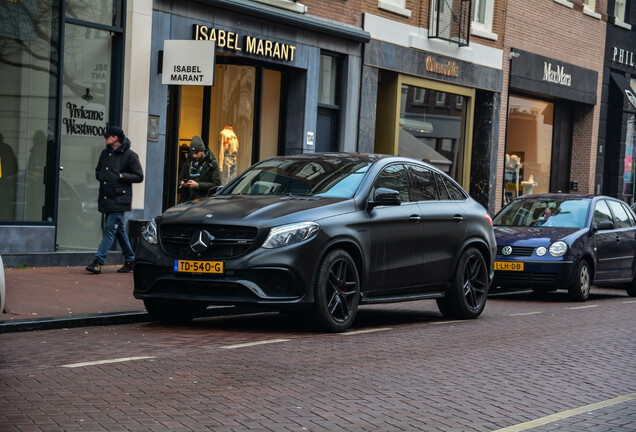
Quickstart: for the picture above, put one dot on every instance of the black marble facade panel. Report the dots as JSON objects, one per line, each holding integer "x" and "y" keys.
{"x": 368, "y": 109}
{"x": 410, "y": 61}
{"x": 483, "y": 165}
{"x": 295, "y": 115}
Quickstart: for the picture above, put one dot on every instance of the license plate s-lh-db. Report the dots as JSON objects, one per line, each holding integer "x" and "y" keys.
{"x": 508, "y": 266}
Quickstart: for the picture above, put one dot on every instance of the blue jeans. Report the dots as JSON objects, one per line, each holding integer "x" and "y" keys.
{"x": 114, "y": 228}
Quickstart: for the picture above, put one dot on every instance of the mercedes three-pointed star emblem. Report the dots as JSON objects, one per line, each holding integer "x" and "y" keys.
{"x": 200, "y": 241}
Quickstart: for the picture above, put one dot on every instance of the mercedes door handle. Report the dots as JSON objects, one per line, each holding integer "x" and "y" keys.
{"x": 458, "y": 218}
{"x": 414, "y": 218}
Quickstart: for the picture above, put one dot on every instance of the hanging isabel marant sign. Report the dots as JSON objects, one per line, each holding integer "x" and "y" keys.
{"x": 188, "y": 62}
{"x": 247, "y": 44}
{"x": 552, "y": 77}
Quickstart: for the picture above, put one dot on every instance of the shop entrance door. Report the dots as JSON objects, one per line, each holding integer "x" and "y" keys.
{"x": 85, "y": 112}
{"x": 244, "y": 103}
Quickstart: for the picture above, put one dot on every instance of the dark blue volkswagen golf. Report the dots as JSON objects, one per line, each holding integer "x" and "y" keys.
{"x": 565, "y": 241}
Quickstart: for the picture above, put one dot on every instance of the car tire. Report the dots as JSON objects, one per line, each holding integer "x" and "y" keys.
{"x": 337, "y": 292}
{"x": 580, "y": 288}
{"x": 466, "y": 298}
{"x": 631, "y": 288}
{"x": 176, "y": 312}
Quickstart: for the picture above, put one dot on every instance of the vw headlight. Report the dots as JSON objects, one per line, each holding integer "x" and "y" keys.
{"x": 290, "y": 234}
{"x": 149, "y": 232}
{"x": 557, "y": 249}
{"x": 541, "y": 251}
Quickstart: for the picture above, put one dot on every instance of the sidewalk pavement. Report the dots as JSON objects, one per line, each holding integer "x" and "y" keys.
{"x": 56, "y": 297}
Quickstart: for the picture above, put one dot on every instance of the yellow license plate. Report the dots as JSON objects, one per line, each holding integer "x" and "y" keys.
{"x": 508, "y": 266}
{"x": 188, "y": 266}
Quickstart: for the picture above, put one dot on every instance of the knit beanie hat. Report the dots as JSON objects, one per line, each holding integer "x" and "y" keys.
{"x": 197, "y": 144}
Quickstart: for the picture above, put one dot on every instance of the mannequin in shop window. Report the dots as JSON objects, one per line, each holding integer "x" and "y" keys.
{"x": 228, "y": 153}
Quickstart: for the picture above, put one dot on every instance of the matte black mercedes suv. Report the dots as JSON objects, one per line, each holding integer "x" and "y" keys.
{"x": 324, "y": 233}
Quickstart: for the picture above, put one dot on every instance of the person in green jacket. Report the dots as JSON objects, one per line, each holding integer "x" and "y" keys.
{"x": 199, "y": 173}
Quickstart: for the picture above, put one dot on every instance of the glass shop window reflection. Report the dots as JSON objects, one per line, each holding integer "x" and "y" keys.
{"x": 432, "y": 127}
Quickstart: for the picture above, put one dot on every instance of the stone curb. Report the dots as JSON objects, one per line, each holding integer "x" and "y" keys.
{"x": 103, "y": 319}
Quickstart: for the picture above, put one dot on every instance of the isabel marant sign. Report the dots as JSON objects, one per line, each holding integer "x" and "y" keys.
{"x": 188, "y": 62}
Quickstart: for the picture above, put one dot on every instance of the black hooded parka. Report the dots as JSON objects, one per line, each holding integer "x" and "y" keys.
{"x": 116, "y": 171}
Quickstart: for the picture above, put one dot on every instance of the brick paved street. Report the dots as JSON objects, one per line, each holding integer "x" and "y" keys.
{"x": 526, "y": 358}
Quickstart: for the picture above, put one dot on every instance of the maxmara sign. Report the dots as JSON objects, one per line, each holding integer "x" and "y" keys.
{"x": 245, "y": 43}
{"x": 552, "y": 77}
{"x": 556, "y": 75}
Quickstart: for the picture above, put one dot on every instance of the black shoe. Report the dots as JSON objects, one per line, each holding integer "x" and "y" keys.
{"x": 127, "y": 267}
{"x": 95, "y": 267}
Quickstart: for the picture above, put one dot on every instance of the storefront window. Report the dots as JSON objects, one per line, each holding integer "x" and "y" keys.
{"x": 85, "y": 107}
{"x": 27, "y": 106}
{"x": 431, "y": 127}
{"x": 190, "y": 123}
{"x": 528, "y": 147}
{"x": 98, "y": 11}
{"x": 270, "y": 113}
{"x": 232, "y": 119}
{"x": 628, "y": 170}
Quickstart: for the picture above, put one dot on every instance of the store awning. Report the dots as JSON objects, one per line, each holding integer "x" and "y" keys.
{"x": 622, "y": 84}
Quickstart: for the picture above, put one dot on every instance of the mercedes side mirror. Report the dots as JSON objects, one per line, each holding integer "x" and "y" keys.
{"x": 214, "y": 190}
{"x": 385, "y": 197}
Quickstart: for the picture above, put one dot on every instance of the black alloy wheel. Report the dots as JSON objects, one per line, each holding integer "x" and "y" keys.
{"x": 337, "y": 292}
{"x": 631, "y": 288}
{"x": 469, "y": 289}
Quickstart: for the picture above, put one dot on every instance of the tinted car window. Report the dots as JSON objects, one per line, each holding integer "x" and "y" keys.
{"x": 454, "y": 191}
{"x": 622, "y": 220}
{"x": 632, "y": 221}
{"x": 394, "y": 177}
{"x": 423, "y": 184}
{"x": 443, "y": 193}
{"x": 552, "y": 212}
{"x": 602, "y": 212}
{"x": 337, "y": 178}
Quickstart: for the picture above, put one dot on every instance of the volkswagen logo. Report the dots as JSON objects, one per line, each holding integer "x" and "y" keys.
{"x": 200, "y": 241}
{"x": 507, "y": 250}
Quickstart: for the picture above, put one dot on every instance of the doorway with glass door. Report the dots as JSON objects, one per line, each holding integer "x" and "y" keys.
{"x": 86, "y": 108}
{"x": 238, "y": 119}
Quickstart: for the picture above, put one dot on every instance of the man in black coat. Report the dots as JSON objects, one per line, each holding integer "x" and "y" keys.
{"x": 199, "y": 173}
{"x": 118, "y": 168}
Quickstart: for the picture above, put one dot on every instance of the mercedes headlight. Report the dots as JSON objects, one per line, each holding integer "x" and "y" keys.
{"x": 149, "y": 232}
{"x": 558, "y": 249}
{"x": 290, "y": 234}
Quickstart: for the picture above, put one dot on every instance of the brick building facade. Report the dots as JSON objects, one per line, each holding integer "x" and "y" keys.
{"x": 564, "y": 37}
{"x": 617, "y": 128}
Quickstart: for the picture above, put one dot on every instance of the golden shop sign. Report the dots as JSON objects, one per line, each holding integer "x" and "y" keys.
{"x": 247, "y": 44}
{"x": 448, "y": 69}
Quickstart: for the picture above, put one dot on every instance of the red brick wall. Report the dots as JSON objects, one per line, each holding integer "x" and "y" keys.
{"x": 550, "y": 29}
